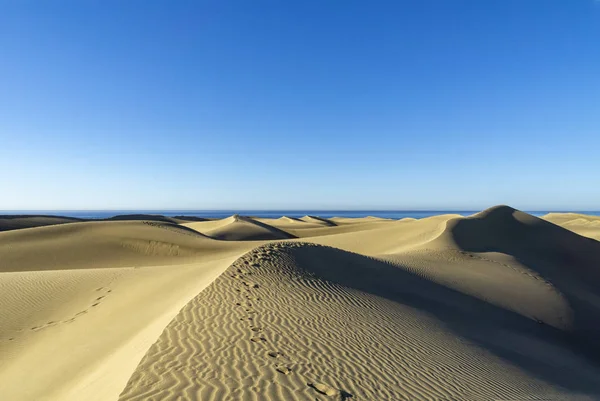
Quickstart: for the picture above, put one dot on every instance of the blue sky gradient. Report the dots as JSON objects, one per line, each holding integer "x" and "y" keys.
{"x": 429, "y": 104}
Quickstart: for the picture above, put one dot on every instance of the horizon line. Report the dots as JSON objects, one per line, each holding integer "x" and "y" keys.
{"x": 292, "y": 210}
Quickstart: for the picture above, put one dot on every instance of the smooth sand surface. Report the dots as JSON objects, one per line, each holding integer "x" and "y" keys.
{"x": 16, "y": 222}
{"x": 588, "y": 226}
{"x": 498, "y": 305}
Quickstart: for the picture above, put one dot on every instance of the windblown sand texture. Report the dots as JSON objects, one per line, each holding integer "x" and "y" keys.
{"x": 498, "y": 305}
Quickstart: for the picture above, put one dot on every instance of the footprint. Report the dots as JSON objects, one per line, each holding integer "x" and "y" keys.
{"x": 256, "y": 329}
{"x": 324, "y": 389}
{"x": 275, "y": 354}
{"x": 102, "y": 297}
{"x": 96, "y": 304}
{"x": 258, "y": 340}
{"x": 283, "y": 369}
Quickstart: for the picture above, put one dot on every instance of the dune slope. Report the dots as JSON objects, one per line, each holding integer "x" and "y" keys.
{"x": 81, "y": 303}
{"x": 239, "y": 228}
{"x": 102, "y": 244}
{"x": 588, "y": 226}
{"x": 16, "y": 222}
{"x": 297, "y": 321}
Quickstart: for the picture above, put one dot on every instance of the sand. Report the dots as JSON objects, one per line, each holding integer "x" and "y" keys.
{"x": 499, "y": 305}
{"x": 588, "y": 226}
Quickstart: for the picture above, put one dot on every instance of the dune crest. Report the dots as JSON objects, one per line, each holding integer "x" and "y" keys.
{"x": 239, "y": 228}
{"x": 318, "y": 220}
{"x": 585, "y": 225}
{"x": 17, "y": 222}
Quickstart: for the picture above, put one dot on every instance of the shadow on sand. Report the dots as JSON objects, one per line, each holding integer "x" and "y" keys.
{"x": 471, "y": 318}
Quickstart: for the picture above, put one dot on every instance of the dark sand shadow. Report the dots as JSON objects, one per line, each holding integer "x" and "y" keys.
{"x": 567, "y": 260}
{"x": 467, "y": 316}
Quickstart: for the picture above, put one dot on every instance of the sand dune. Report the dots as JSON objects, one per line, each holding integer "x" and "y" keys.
{"x": 239, "y": 228}
{"x": 318, "y": 220}
{"x": 358, "y": 326}
{"x": 101, "y": 244}
{"x": 380, "y": 237}
{"x": 145, "y": 217}
{"x": 356, "y": 220}
{"x": 289, "y": 223}
{"x": 553, "y": 251}
{"x": 303, "y": 227}
{"x": 153, "y": 217}
{"x": 16, "y": 222}
{"x": 80, "y": 303}
{"x": 498, "y": 305}
{"x": 587, "y": 226}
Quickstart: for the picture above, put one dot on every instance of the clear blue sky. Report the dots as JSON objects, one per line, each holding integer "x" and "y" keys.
{"x": 420, "y": 104}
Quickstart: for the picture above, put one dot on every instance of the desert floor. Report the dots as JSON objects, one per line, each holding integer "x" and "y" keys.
{"x": 498, "y": 305}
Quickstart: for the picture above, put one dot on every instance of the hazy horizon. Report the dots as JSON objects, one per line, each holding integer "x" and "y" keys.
{"x": 288, "y": 210}
{"x": 270, "y": 213}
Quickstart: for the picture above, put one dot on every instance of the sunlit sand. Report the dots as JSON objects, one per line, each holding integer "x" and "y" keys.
{"x": 498, "y": 305}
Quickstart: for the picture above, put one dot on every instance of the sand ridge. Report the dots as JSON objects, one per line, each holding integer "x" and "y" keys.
{"x": 585, "y": 225}
{"x": 337, "y": 335}
{"x": 16, "y": 222}
{"x": 239, "y": 228}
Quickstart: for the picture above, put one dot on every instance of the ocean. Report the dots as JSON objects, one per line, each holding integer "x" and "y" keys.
{"x": 390, "y": 214}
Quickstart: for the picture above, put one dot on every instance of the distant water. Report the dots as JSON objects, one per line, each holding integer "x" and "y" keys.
{"x": 389, "y": 214}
